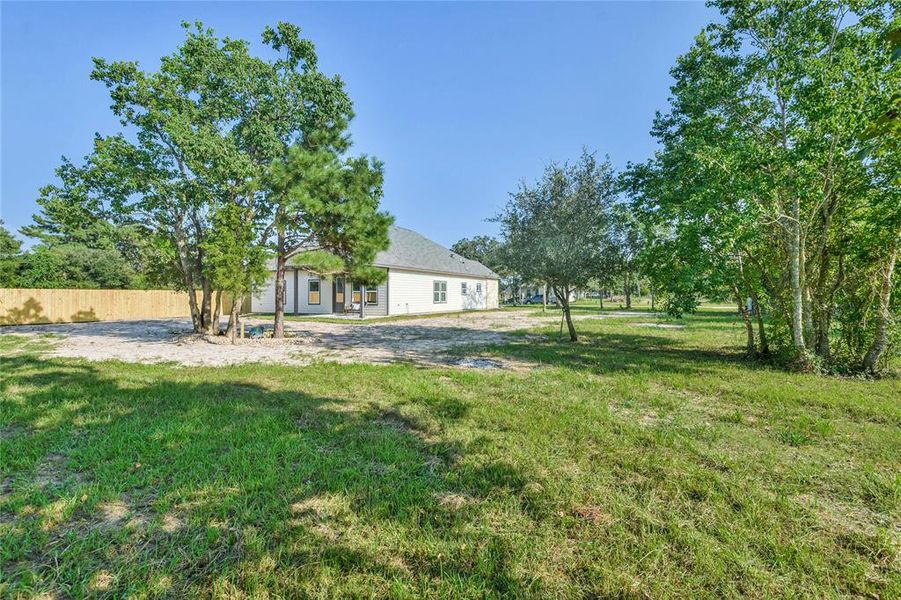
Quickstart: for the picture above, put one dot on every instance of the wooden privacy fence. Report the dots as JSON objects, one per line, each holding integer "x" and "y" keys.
{"x": 21, "y": 306}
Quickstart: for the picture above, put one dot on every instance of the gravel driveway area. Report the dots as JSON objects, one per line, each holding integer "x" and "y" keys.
{"x": 425, "y": 340}
{"x": 171, "y": 340}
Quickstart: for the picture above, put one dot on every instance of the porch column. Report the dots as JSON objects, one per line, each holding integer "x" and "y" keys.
{"x": 296, "y": 291}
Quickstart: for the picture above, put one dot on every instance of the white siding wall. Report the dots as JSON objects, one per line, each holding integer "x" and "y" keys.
{"x": 264, "y": 300}
{"x": 410, "y": 292}
{"x": 493, "y": 299}
{"x": 406, "y": 292}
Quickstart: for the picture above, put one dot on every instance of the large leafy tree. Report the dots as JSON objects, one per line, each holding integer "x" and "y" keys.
{"x": 759, "y": 185}
{"x": 79, "y": 217}
{"x": 202, "y": 134}
{"x": 482, "y": 248}
{"x": 558, "y": 229}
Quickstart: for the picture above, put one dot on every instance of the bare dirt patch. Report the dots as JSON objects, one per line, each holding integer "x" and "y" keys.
{"x": 452, "y": 501}
{"x": 8, "y": 432}
{"x": 422, "y": 340}
{"x": 113, "y": 513}
{"x": 594, "y": 514}
{"x": 52, "y": 471}
{"x": 479, "y": 363}
{"x": 171, "y": 523}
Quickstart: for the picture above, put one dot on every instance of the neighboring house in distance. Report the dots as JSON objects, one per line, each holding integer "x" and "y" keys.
{"x": 423, "y": 277}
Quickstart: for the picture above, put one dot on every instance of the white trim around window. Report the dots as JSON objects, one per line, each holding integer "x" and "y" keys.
{"x": 439, "y": 291}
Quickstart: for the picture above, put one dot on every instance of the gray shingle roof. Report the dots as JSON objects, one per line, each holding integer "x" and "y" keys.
{"x": 409, "y": 250}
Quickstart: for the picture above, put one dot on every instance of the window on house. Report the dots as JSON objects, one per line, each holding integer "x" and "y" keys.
{"x": 479, "y": 289}
{"x": 439, "y": 292}
{"x": 355, "y": 293}
{"x": 313, "y": 292}
{"x": 372, "y": 296}
{"x": 464, "y": 289}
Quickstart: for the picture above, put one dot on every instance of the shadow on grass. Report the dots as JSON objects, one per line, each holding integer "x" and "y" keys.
{"x": 207, "y": 479}
{"x": 615, "y": 352}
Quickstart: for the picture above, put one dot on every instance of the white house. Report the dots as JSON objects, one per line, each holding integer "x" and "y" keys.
{"x": 423, "y": 277}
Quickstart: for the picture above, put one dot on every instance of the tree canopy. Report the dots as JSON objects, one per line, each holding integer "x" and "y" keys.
{"x": 225, "y": 159}
{"x": 558, "y": 229}
{"x": 482, "y": 248}
{"x": 760, "y": 187}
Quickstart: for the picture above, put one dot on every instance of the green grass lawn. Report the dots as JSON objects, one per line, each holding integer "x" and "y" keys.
{"x": 641, "y": 462}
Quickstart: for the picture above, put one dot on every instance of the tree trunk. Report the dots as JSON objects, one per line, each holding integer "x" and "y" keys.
{"x": 822, "y": 333}
{"x": 544, "y": 299}
{"x": 188, "y": 275}
{"x": 828, "y": 307}
{"x": 805, "y": 298}
{"x": 883, "y": 317}
{"x": 217, "y": 313}
{"x": 628, "y": 289}
{"x": 233, "y": 320}
{"x": 564, "y": 303}
{"x": 823, "y": 303}
{"x": 196, "y": 319}
{"x": 746, "y": 318}
{"x": 797, "y": 287}
{"x": 601, "y": 299}
{"x": 653, "y": 300}
{"x": 206, "y": 306}
{"x": 761, "y": 330}
{"x": 232, "y": 325}
{"x": 281, "y": 261}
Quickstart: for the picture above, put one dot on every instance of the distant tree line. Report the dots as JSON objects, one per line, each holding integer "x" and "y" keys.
{"x": 776, "y": 184}
{"x": 61, "y": 262}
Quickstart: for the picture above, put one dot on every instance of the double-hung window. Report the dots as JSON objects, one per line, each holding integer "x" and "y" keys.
{"x": 313, "y": 296}
{"x": 439, "y": 292}
{"x": 464, "y": 288}
{"x": 356, "y": 293}
{"x": 478, "y": 289}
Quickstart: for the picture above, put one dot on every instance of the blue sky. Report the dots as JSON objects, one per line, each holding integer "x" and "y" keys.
{"x": 460, "y": 100}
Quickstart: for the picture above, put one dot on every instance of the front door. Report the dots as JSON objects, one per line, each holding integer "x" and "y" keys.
{"x": 338, "y": 295}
